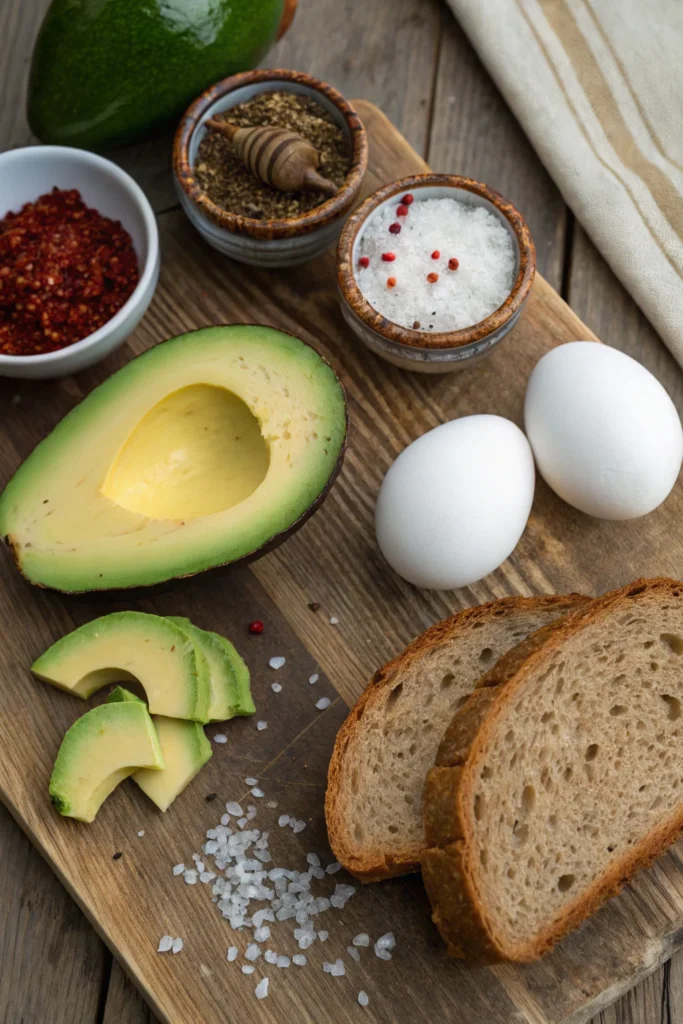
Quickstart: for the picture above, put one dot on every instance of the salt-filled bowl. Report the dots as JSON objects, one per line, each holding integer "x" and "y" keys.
{"x": 422, "y": 350}
{"x": 266, "y": 243}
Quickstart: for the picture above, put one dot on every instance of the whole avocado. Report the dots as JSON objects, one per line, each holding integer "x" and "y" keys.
{"x": 108, "y": 72}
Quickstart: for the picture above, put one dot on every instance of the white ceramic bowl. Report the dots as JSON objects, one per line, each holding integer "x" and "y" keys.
{"x": 28, "y": 173}
{"x": 266, "y": 243}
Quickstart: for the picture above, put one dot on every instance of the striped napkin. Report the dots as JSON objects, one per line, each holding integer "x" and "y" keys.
{"x": 597, "y": 86}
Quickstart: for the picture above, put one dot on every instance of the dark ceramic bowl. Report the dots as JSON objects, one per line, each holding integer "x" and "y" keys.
{"x": 267, "y": 243}
{"x": 419, "y": 350}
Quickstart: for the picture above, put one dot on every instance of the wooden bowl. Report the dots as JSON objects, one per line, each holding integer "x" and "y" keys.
{"x": 268, "y": 243}
{"x": 419, "y": 350}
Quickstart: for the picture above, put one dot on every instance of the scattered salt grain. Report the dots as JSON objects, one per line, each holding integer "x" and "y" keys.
{"x": 363, "y": 998}
{"x": 261, "y": 726}
{"x": 234, "y": 809}
{"x": 241, "y": 822}
{"x": 262, "y": 934}
{"x": 277, "y": 663}
{"x": 257, "y": 792}
{"x": 334, "y": 621}
{"x": 248, "y": 969}
{"x": 314, "y": 678}
{"x": 233, "y": 953}
{"x": 251, "y": 812}
{"x": 362, "y": 939}
{"x": 252, "y": 952}
{"x": 251, "y": 782}
{"x": 178, "y": 869}
{"x": 337, "y": 969}
{"x": 313, "y": 859}
{"x": 206, "y": 877}
{"x": 387, "y": 941}
{"x": 177, "y": 945}
{"x": 165, "y": 943}
{"x": 283, "y": 820}
{"x": 270, "y": 956}
{"x": 275, "y": 687}
{"x": 220, "y": 737}
{"x": 191, "y": 877}
{"x": 261, "y": 990}
{"x": 353, "y": 953}
{"x": 298, "y": 826}
{"x": 141, "y": 833}
{"x": 283, "y": 961}
{"x": 272, "y": 804}
{"x": 333, "y": 868}
{"x": 323, "y": 936}
{"x": 323, "y": 703}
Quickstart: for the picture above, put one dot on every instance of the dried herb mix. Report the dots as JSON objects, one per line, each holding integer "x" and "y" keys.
{"x": 227, "y": 182}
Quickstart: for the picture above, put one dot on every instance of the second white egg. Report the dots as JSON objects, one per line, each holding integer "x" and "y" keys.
{"x": 454, "y": 504}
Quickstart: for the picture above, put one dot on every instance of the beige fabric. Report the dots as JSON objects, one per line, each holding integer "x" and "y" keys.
{"x": 597, "y": 86}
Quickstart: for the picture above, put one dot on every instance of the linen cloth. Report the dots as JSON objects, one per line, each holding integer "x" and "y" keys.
{"x": 597, "y": 86}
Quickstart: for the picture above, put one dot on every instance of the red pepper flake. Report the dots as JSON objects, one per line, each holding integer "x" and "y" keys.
{"x": 256, "y": 627}
{"x": 402, "y": 210}
{"x": 395, "y": 228}
{"x": 432, "y": 278}
{"x": 388, "y": 257}
{"x": 66, "y": 270}
{"x": 364, "y": 261}
{"x": 391, "y": 282}
{"x": 408, "y": 199}
{"x": 436, "y": 254}
{"x": 453, "y": 263}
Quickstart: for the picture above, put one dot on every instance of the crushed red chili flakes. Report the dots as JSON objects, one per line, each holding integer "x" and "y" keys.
{"x": 65, "y": 270}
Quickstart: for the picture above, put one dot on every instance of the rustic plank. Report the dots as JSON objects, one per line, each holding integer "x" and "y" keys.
{"x": 333, "y": 560}
{"x": 52, "y": 961}
{"x": 474, "y": 133}
{"x": 644, "y": 1004}
{"x": 124, "y": 1004}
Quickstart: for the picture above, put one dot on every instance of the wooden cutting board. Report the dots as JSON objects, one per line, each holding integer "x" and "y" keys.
{"x": 334, "y": 563}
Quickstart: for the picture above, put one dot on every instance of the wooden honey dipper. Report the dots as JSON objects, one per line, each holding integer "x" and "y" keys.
{"x": 279, "y": 158}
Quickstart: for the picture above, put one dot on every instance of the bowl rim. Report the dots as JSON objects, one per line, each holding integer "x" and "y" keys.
{"x": 147, "y": 273}
{"x": 302, "y": 224}
{"x": 405, "y": 336}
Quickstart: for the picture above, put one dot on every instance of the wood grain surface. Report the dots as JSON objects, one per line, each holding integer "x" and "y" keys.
{"x": 54, "y": 968}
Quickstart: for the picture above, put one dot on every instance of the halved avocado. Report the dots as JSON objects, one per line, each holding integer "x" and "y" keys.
{"x": 185, "y": 750}
{"x": 230, "y": 689}
{"x": 132, "y": 645}
{"x": 103, "y": 747}
{"x": 208, "y": 449}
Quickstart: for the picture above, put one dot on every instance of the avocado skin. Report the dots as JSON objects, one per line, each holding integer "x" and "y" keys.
{"x": 109, "y": 72}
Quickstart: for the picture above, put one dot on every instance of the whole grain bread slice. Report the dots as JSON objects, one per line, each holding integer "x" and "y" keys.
{"x": 560, "y": 777}
{"x": 389, "y": 740}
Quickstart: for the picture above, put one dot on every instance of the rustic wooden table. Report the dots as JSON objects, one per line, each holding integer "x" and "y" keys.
{"x": 411, "y": 59}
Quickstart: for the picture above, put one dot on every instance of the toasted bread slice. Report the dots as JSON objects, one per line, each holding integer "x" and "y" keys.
{"x": 560, "y": 777}
{"x": 389, "y": 741}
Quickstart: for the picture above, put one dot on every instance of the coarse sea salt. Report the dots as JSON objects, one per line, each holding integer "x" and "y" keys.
{"x": 277, "y": 662}
{"x": 261, "y": 725}
{"x": 220, "y": 737}
{"x": 458, "y": 298}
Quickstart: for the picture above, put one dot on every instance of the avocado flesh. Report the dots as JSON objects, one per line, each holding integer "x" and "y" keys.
{"x": 108, "y": 73}
{"x": 246, "y": 703}
{"x": 131, "y": 646}
{"x": 225, "y": 700}
{"x": 150, "y": 477}
{"x": 103, "y": 747}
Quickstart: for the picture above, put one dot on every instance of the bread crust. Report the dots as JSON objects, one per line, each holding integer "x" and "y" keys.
{"x": 449, "y": 867}
{"x": 375, "y": 864}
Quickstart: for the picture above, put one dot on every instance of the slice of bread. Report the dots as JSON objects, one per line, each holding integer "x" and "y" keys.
{"x": 389, "y": 740}
{"x": 560, "y": 777}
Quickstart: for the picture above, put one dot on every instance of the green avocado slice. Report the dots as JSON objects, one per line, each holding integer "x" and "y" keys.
{"x": 132, "y": 645}
{"x": 231, "y": 690}
{"x": 206, "y": 450}
{"x": 102, "y": 747}
{"x": 185, "y": 750}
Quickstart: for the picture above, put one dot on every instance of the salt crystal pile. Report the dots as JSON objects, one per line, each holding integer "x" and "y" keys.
{"x": 384, "y": 945}
{"x": 453, "y": 264}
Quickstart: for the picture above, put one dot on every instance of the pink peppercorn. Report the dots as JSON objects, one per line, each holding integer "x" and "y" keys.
{"x": 432, "y": 278}
{"x": 408, "y": 198}
{"x": 391, "y": 282}
{"x": 364, "y": 261}
{"x": 256, "y": 627}
{"x": 436, "y": 254}
{"x": 395, "y": 228}
{"x": 402, "y": 210}
{"x": 388, "y": 257}
{"x": 453, "y": 263}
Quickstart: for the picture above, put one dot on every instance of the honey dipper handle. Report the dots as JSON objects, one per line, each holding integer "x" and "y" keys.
{"x": 224, "y": 127}
{"x": 315, "y": 182}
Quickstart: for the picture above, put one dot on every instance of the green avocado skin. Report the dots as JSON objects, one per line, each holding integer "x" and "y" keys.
{"x": 109, "y": 72}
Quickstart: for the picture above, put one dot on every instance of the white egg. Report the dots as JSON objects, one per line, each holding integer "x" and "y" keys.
{"x": 605, "y": 434}
{"x": 454, "y": 504}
